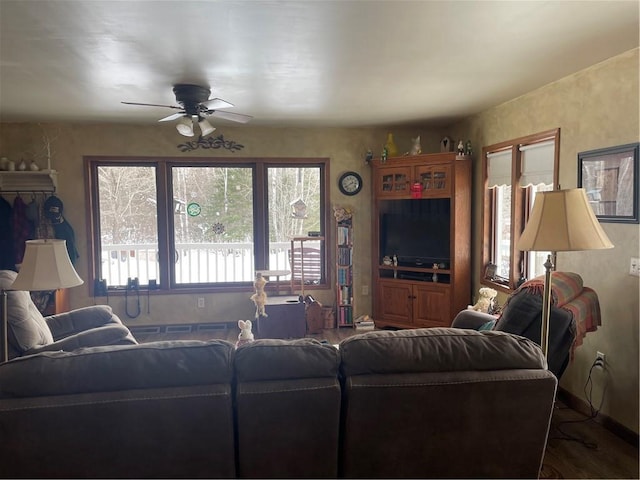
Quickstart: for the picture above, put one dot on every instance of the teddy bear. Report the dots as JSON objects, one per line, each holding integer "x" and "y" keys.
{"x": 485, "y": 302}
{"x": 245, "y": 335}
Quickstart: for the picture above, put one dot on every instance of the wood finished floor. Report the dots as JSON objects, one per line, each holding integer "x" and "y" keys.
{"x": 577, "y": 447}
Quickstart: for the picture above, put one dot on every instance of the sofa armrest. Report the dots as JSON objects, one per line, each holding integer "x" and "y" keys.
{"x": 471, "y": 319}
{"x": 69, "y": 323}
{"x": 112, "y": 334}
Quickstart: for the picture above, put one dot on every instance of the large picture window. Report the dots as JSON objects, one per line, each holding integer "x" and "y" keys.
{"x": 514, "y": 172}
{"x": 202, "y": 224}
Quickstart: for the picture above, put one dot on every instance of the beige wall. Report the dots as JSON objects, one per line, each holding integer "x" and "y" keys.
{"x": 594, "y": 108}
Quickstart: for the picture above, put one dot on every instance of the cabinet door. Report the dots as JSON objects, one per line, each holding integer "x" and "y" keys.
{"x": 393, "y": 181}
{"x": 435, "y": 180}
{"x": 431, "y": 305}
{"x": 395, "y": 302}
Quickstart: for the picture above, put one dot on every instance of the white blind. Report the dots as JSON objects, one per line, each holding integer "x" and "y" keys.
{"x": 499, "y": 168}
{"x": 537, "y": 163}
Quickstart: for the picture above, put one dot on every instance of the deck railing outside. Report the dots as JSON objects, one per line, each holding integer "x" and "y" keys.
{"x": 195, "y": 262}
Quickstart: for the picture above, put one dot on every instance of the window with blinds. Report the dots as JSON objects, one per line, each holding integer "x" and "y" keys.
{"x": 515, "y": 172}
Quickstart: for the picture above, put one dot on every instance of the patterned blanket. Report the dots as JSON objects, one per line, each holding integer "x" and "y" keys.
{"x": 569, "y": 293}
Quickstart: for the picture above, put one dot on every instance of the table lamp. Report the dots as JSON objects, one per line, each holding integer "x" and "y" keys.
{"x": 560, "y": 221}
{"x": 45, "y": 266}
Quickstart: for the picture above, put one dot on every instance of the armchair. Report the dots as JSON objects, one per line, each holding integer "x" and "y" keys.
{"x": 29, "y": 332}
{"x": 575, "y": 310}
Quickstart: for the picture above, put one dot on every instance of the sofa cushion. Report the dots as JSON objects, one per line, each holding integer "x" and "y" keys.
{"x": 118, "y": 367}
{"x": 437, "y": 350}
{"x": 273, "y": 359}
{"x": 27, "y": 328}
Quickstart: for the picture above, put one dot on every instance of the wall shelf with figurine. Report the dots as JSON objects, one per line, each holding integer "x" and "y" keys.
{"x": 421, "y": 239}
{"x": 28, "y": 181}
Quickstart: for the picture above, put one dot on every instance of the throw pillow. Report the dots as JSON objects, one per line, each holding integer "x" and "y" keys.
{"x": 26, "y": 327}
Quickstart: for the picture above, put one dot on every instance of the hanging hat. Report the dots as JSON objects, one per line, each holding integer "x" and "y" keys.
{"x": 53, "y": 209}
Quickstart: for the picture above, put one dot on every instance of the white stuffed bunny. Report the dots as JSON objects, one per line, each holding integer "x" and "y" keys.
{"x": 245, "y": 335}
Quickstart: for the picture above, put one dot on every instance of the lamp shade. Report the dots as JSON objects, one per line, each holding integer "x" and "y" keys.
{"x": 562, "y": 220}
{"x": 46, "y": 266}
{"x": 206, "y": 127}
{"x": 185, "y": 127}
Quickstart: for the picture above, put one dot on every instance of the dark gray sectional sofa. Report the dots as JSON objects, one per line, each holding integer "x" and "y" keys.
{"x": 427, "y": 403}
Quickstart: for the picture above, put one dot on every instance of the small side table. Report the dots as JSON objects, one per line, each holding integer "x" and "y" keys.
{"x": 285, "y": 318}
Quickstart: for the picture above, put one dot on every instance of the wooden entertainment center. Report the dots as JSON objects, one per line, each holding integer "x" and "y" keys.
{"x": 422, "y": 224}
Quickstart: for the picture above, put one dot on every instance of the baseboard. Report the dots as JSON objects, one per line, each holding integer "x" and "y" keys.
{"x": 607, "y": 422}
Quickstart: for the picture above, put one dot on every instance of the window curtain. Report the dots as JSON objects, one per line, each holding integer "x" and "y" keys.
{"x": 537, "y": 163}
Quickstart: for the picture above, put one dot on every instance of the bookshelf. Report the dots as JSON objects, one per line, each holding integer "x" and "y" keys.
{"x": 344, "y": 273}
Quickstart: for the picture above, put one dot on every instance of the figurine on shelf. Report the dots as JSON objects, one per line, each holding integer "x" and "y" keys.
{"x": 416, "y": 148}
{"x": 460, "y": 148}
{"x": 386, "y": 260}
{"x": 468, "y": 150}
{"x": 34, "y": 167}
{"x": 342, "y": 213}
{"x": 395, "y": 264}
{"x": 383, "y": 157}
{"x": 392, "y": 150}
{"x": 22, "y": 166}
{"x": 434, "y": 277}
{"x": 368, "y": 157}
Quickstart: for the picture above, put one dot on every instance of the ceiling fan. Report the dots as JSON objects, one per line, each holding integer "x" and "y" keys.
{"x": 195, "y": 106}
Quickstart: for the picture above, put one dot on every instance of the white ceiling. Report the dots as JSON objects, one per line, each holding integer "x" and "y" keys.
{"x": 306, "y": 63}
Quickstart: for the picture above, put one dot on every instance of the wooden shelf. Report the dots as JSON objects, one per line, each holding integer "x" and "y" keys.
{"x": 40, "y": 181}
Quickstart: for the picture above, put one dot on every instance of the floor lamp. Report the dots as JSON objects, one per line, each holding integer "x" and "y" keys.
{"x": 560, "y": 221}
{"x": 45, "y": 266}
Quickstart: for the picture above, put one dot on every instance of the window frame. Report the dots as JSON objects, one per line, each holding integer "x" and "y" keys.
{"x": 520, "y": 206}
{"x": 166, "y": 247}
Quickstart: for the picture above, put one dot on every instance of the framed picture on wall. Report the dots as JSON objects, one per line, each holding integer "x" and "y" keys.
{"x": 610, "y": 179}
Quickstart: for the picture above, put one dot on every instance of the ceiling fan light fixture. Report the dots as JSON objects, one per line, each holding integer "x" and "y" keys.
{"x": 206, "y": 127}
{"x": 185, "y": 127}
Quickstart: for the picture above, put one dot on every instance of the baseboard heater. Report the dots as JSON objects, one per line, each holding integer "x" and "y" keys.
{"x": 212, "y": 327}
{"x": 178, "y": 329}
{"x": 144, "y": 330}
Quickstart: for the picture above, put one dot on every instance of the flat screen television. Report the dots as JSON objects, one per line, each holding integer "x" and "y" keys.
{"x": 417, "y": 232}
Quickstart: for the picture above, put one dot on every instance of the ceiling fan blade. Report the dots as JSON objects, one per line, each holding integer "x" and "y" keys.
{"x": 173, "y": 116}
{"x": 216, "y": 103}
{"x": 234, "y": 117}
{"x": 151, "y": 105}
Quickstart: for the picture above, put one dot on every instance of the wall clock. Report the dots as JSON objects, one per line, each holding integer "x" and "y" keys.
{"x": 350, "y": 183}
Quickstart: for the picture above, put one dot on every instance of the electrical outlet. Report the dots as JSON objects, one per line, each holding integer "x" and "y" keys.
{"x": 634, "y": 267}
{"x": 600, "y": 359}
{"x": 200, "y": 302}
